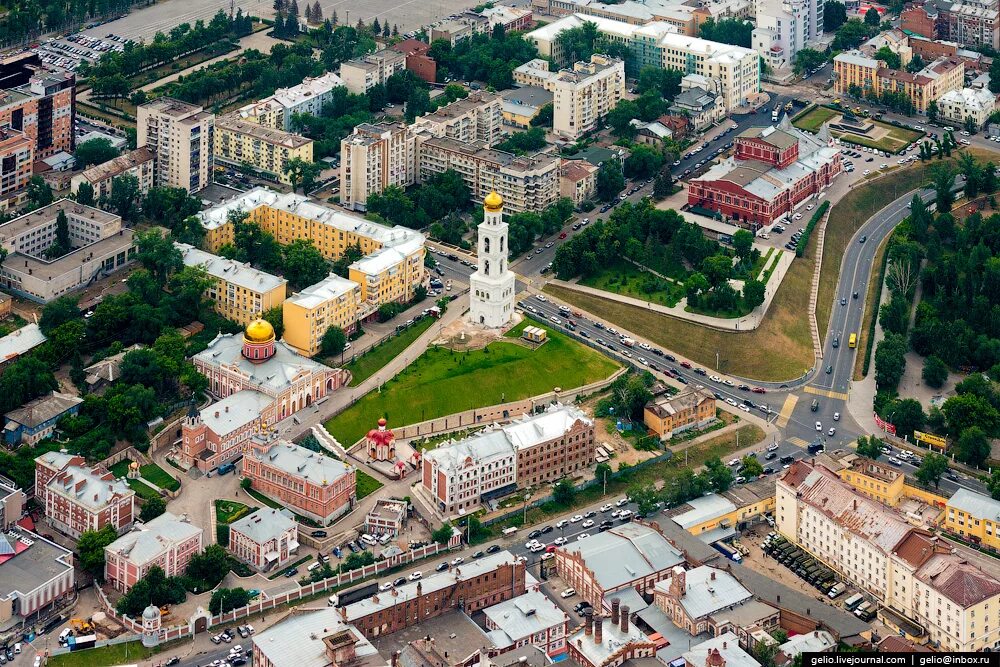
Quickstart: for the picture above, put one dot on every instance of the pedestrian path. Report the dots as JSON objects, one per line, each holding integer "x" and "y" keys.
{"x": 809, "y": 389}
{"x": 786, "y": 410}
{"x": 798, "y": 442}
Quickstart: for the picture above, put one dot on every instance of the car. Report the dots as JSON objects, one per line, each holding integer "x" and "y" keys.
{"x": 588, "y": 523}
{"x": 415, "y": 575}
{"x": 318, "y": 533}
{"x": 576, "y": 518}
{"x": 590, "y": 515}
{"x": 478, "y": 554}
{"x": 217, "y": 639}
{"x": 744, "y": 387}
{"x": 862, "y": 239}
{"x": 546, "y": 529}
{"x": 568, "y": 593}
{"x": 836, "y": 342}
{"x": 734, "y": 462}
{"x": 854, "y": 296}
{"x": 457, "y": 561}
{"x": 541, "y": 297}
{"x": 531, "y": 544}
{"x": 621, "y": 502}
{"x": 770, "y": 456}
{"x": 866, "y": 171}
{"x": 381, "y": 587}
{"x": 829, "y": 369}
{"x": 894, "y": 461}
{"x": 731, "y": 402}
{"x": 836, "y": 416}
{"x": 291, "y": 572}
{"x": 582, "y": 536}
{"x": 559, "y": 541}
{"x": 819, "y": 427}
{"x": 549, "y": 244}
{"x": 562, "y": 235}
{"x": 533, "y": 534}
{"x": 744, "y": 408}
{"x": 441, "y": 567}
{"x": 843, "y": 301}
{"x": 759, "y": 390}
{"x": 493, "y": 548}
{"x": 832, "y": 431}
{"x": 172, "y": 661}
{"x": 715, "y": 378}
{"x": 740, "y": 479}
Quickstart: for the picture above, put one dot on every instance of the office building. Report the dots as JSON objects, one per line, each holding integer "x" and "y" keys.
{"x": 34, "y": 574}
{"x": 511, "y": 18}
{"x": 577, "y": 180}
{"x": 530, "y": 619}
{"x": 910, "y": 571}
{"x": 478, "y": 117}
{"x": 362, "y": 74}
{"x": 374, "y": 157}
{"x": 138, "y": 163}
{"x": 668, "y": 415}
{"x": 239, "y": 292}
{"x": 386, "y": 517}
{"x": 692, "y": 598}
{"x": 531, "y": 450}
{"x": 308, "y": 97}
{"x": 167, "y": 542}
{"x": 332, "y": 302}
{"x": 974, "y": 517}
{"x": 16, "y": 157}
{"x": 309, "y": 483}
{"x": 242, "y": 144}
{"x": 77, "y": 498}
{"x": 266, "y": 539}
{"x": 42, "y": 105}
{"x": 181, "y": 137}
{"x": 99, "y": 246}
{"x": 958, "y": 105}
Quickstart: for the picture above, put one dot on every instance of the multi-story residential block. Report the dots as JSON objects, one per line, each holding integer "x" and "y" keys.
{"x": 308, "y": 97}
{"x": 241, "y": 372}
{"x": 42, "y": 105}
{"x": 77, "y": 498}
{"x": 974, "y": 517}
{"x": 138, "y": 163}
{"x": 784, "y": 27}
{"x": 920, "y": 19}
{"x": 418, "y": 59}
{"x": 374, "y": 157}
{"x": 266, "y": 539}
{"x": 34, "y": 574}
{"x": 361, "y": 74}
{"x": 618, "y": 642}
{"x": 958, "y": 105}
{"x": 773, "y": 170}
{"x": 969, "y": 22}
{"x": 241, "y": 143}
{"x": 17, "y": 152}
{"x": 896, "y": 41}
{"x": 632, "y": 556}
{"x": 389, "y": 275}
{"x": 12, "y": 502}
{"x": 855, "y": 73}
{"x": 36, "y": 420}
{"x": 99, "y": 247}
{"x": 522, "y": 105}
{"x": 166, "y": 542}
{"x": 478, "y": 117}
{"x": 581, "y": 96}
{"x": 531, "y": 619}
{"x": 472, "y": 586}
{"x": 181, "y": 137}
{"x": 240, "y": 292}
{"x": 386, "y": 517}
{"x": 577, "y": 180}
{"x": 876, "y": 480}
{"x": 907, "y": 569}
{"x": 530, "y": 450}
{"x": 462, "y": 27}
{"x": 526, "y": 183}
{"x": 317, "y": 486}
{"x": 332, "y": 302}
{"x": 666, "y": 415}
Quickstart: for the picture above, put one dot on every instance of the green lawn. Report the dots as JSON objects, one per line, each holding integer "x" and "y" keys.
{"x": 159, "y": 476}
{"x": 896, "y": 139}
{"x": 120, "y": 469}
{"x": 144, "y": 491}
{"x": 227, "y": 511}
{"x": 105, "y": 656}
{"x": 375, "y": 359}
{"x": 441, "y": 382}
{"x": 367, "y": 484}
{"x": 262, "y": 498}
{"x": 813, "y": 120}
{"x": 626, "y": 279}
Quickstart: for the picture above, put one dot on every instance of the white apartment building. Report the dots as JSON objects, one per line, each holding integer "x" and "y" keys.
{"x": 362, "y": 74}
{"x": 784, "y": 27}
{"x": 976, "y": 103}
{"x": 181, "y": 136}
{"x": 526, "y": 183}
{"x": 478, "y": 117}
{"x": 308, "y": 97}
{"x": 374, "y": 157}
{"x": 908, "y": 570}
{"x": 581, "y": 96}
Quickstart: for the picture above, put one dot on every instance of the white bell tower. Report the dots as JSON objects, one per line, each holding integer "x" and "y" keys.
{"x": 491, "y": 287}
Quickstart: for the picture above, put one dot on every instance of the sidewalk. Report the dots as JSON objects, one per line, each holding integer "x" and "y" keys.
{"x": 861, "y": 394}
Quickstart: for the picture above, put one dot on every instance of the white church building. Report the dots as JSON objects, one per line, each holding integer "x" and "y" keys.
{"x": 491, "y": 287}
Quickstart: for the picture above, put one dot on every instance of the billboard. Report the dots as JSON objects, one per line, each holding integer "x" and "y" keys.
{"x": 931, "y": 439}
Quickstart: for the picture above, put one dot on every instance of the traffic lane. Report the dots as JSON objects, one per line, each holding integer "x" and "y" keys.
{"x": 206, "y": 658}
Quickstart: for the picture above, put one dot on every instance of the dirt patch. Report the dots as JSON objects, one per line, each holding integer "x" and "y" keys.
{"x": 760, "y": 562}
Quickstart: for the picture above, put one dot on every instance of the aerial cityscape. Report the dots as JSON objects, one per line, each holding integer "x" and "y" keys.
{"x": 619, "y": 333}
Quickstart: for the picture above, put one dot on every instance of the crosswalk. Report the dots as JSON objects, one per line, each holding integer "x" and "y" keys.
{"x": 825, "y": 392}
{"x": 786, "y": 411}
{"x": 798, "y": 442}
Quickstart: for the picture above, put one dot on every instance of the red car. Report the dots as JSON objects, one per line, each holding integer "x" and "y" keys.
{"x": 686, "y": 364}
{"x": 562, "y": 235}
{"x": 759, "y": 390}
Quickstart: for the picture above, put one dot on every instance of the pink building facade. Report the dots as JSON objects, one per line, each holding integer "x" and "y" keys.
{"x": 165, "y": 542}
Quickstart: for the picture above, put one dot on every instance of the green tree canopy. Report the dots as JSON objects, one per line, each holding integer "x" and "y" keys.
{"x": 95, "y": 151}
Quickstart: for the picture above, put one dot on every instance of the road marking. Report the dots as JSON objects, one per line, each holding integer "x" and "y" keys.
{"x": 798, "y": 442}
{"x": 786, "y": 411}
{"x": 824, "y": 392}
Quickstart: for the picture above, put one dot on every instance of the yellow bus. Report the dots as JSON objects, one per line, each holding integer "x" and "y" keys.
{"x": 853, "y": 342}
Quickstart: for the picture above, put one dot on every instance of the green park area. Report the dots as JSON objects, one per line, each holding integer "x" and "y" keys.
{"x": 442, "y": 381}
{"x": 372, "y": 361}
{"x": 227, "y": 511}
{"x": 367, "y": 484}
{"x": 629, "y": 280}
{"x": 150, "y": 472}
{"x": 884, "y": 136}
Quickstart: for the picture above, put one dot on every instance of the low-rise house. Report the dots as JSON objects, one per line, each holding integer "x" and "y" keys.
{"x": 721, "y": 651}
{"x": 817, "y": 641}
{"x": 266, "y": 539}
{"x": 691, "y": 597}
{"x": 577, "y": 180}
{"x": 386, "y": 517}
{"x": 16, "y": 343}
{"x": 521, "y": 105}
{"x": 668, "y": 415}
{"x": 34, "y": 574}
{"x": 36, "y": 420}
{"x": 107, "y": 371}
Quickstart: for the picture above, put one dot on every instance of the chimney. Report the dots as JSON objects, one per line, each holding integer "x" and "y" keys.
{"x": 712, "y": 576}
{"x": 599, "y": 630}
{"x": 588, "y": 623}
{"x": 615, "y": 605}
{"x": 855, "y": 504}
{"x": 624, "y": 619}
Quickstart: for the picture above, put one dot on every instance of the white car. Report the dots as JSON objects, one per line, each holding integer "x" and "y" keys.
{"x": 731, "y": 402}
{"x": 832, "y": 431}
{"x": 531, "y": 543}
{"x": 576, "y": 518}
{"x": 744, "y": 408}
{"x": 715, "y": 378}
{"x": 866, "y": 172}
{"x": 621, "y": 502}
{"x": 774, "y": 448}
{"x": 536, "y": 548}
{"x": 415, "y": 575}
{"x": 568, "y": 593}
{"x": 607, "y": 508}
{"x": 541, "y": 297}
{"x": 384, "y": 587}
{"x": 894, "y": 461}
{"x": 457, "y": 561}
{"x": 645, "y": 346}
{"x": 562, "y": 523}
{"x": 734, "y": 462}
{"x": 582, "y": 536}
{"x": 559, "y": 541}
{"x": 836, "y": 416}
{"x": 819, "y": 427}
{"x": 588, "y": 523}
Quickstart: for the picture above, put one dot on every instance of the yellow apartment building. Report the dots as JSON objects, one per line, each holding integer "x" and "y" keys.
{"x": 241, "y": 142}
{"x": 390, "y": 274}
{"x": 974, "y": 517}
{"x": 333, "y": 302}
{"x": 241, "y": 293}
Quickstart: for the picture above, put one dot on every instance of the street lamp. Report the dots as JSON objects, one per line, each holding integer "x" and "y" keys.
{"x": 527, "y": 497}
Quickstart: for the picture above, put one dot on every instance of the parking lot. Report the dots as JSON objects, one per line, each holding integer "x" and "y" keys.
{"x": 69, "y": 51}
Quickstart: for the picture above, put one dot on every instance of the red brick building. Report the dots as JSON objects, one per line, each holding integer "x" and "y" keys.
{"x": 417, "y": 59}
{"x": 917, "y": 19}
{"x": 266, "y": 539}
{"x": 468, "y": 587}
{"x": 165, "y": 542}
{"x": 773, "y": 171}
{"x": 609, "y": 642}
{"x": 77, "y": 498}
{"x": 307, "y": 482}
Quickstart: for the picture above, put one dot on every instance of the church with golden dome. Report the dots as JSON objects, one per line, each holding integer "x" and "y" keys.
{"x": 491, "y": 287}
{"x": 258, "y": 381}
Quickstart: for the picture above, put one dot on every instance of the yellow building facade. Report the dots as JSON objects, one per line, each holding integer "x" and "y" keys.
{"x": 974, "y": 517}
{"x": 878, "y": 482}
{"x": 744, "y": 504}
{"x": 241, "y": 142}
{"x": 334, "y": 302}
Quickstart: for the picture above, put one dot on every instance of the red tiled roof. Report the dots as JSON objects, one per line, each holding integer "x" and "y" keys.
{"x": 959, "y": 581}
{"x": 894, "y": 644}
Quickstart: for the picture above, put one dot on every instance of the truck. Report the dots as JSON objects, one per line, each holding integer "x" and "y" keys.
{"x": 729, "y": 552}
{"x": 836, "y": 591}
{"x": 345, "y": 598}
{"x": 852, "y": 603}
{"x": 774, "y": 115}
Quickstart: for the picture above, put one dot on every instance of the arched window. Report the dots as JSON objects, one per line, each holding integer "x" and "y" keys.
{"x": 486, "y": 267}
{"x": 501, "y": 244}
{"x": 486, "y": 244}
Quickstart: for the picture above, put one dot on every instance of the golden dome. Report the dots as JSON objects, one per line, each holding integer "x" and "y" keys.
{"x": 493, "y": 202}
{"x": 259, "y": 331}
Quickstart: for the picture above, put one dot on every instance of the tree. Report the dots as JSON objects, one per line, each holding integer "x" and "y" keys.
{"x": 645, "y": 496}
{"x": 890, "y": 361}
{"x": 728, "y": 31}
{"x": 303, "y": 263}
{"x": 751, "y": 467}
{"x": 152, "y": 508}
{"x": 663, "y": 185}
{"x": 742, "y": 244}
{"x": 719, "y": 475}
{"x": 124, "y": 198}
{"x": 578, "y": 43}
{"x": 58, "y": 312}
{"x": 870, "y": 447}
{"x": 807, "y": 60}
{"x": 154, "y": 589}
{"x": 544, "y": 116}
{"x": 159, "y": 255}
{"x": 85, "y": 194}
{"x": 610, "y": 180}
{"x": 95, "y": 151}
{"x": 301, "y": 173}
{"x": 834, "y": 15}
{"x": 935, "y": 372}
{"x": 932, "y": 468}
{"x": 972, "y": 447}
{"x": 209, "y": 567}
{"x": 620, "y": 119}
{"x": 915, "y": 65}
{"x": 333, "y": 341}
{"x": 891, "y": 58}
{"x": 227, "y": 599}
{"x": 943, "y": 179}
{"x": 908, "y": 416}
{"x": 993, "y": 484}
{"x": 601, "y": 472}
{"x": 872, "y": 18}
{"x": 643, "y": 162}
{"x": 970, "y": 125}
{"x": 443, "y": 534}
{"x": 39, "y": 192}
{"x": 563, "y": 492}
{"x": 995, "y": 76}
{"x": 90, "y": 547}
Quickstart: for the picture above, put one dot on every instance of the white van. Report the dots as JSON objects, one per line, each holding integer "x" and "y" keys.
{"x": 332, "y": 602}
{"x": 509, "y": 531}
{"x": 385, "y": 539}
{"x": 64, "y": 634}
{"x": 369, "y": 540}
{"x": 314, "y": 566}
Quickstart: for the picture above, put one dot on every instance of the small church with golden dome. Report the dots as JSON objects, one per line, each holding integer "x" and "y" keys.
{"x": 258, "y": 381}
{"x": 491, "y": 287}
